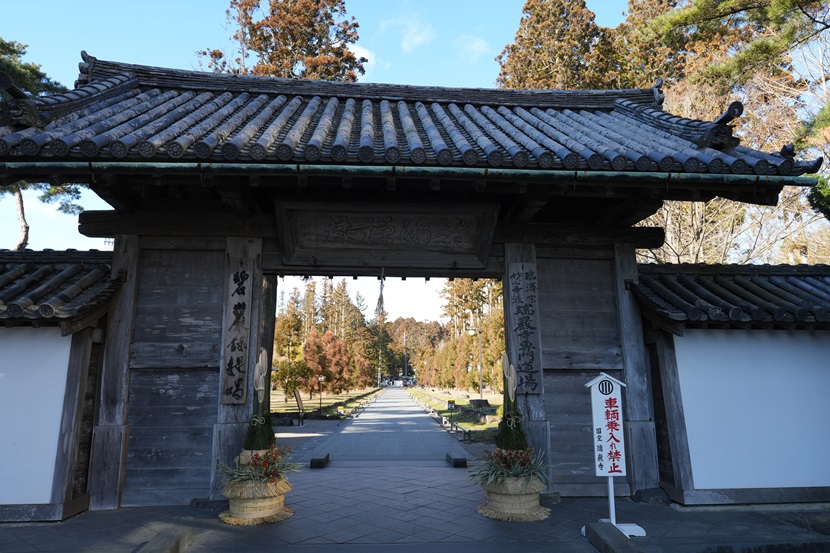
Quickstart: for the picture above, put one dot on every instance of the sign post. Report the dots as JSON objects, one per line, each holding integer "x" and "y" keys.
{"x": 321, "y": 379}
{"x": 609, "y": 440}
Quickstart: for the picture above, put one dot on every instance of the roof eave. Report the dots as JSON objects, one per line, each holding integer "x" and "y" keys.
{"x": 25, "y": 169}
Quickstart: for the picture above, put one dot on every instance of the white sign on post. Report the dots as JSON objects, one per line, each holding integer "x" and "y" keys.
{"x": 609, "y": 443}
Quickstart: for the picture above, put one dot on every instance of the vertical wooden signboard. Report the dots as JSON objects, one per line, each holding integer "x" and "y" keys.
{"x": 237, "y": 331}
{"x": 524, "y": 325}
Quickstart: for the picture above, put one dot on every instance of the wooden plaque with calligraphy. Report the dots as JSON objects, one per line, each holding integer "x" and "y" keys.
{"x": 391, "y": 235}
{"x": 523, "y": 326}
{"x": 237, "y": 331}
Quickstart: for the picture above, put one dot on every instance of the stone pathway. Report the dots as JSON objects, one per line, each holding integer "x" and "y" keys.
{"x": 388, "y": 488}
{"x": 387, "y": 482}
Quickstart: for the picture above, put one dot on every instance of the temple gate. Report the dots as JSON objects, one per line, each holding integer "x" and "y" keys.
{"x": 219, "y": 184}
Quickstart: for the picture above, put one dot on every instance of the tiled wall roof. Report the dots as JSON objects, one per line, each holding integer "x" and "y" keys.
{"x": 737, "y": 295}
{"x": 53, "y": 285}
{"x": 130, "y": 112}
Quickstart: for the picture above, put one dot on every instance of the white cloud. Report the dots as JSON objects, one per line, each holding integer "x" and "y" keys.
{"x": 369, "y": 65}
{"x": 470, "y": 48}
{"x": 414, "y": 32}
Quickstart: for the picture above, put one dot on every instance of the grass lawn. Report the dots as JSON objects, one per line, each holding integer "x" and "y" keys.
{"x": 330, "y": 402}
{"x": 439, "y": 400}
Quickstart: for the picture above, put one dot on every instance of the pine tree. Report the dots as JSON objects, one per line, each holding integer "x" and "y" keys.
{"x": 26, "y": 76}
{"x": 31, "y": 80}
{"x": 770, "y": 30}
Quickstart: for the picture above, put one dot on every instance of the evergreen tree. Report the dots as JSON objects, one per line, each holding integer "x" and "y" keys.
{"x": 335, "y": 331}
{"x": 26, "y": 76}
{"x": 326, "y": 308}
{"x": 820, "y": 197}
{"x": 32, "y": 81}
{"x": 709, "y": 53}
{"x": 361, "y": 373}
{"x": 465, "y": 301}
{"x": 640, "y": 60}
{"x": 770, "y": 30}
{"x": 307, "y": 39}
{"x": 310, "y": 307}
{"x": 555, "y": 47}
{"x": 380, "y": 352}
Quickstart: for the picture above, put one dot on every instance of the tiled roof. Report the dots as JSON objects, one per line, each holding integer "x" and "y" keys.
{"x": 53, "y": 286}
{"x": 763, "y": 296}
{"x": 122, "y": 112}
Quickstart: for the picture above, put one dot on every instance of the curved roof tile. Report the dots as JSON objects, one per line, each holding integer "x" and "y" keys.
{"x": 132, "y": 112}
{"x": 736, "y": 295}
{"x": 51, "y": 286}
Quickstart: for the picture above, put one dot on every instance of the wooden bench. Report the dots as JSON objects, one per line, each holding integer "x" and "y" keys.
{"x": 359, "y": 408}
{"x": 300, "y": 408}
{"x": 466, "y": 435}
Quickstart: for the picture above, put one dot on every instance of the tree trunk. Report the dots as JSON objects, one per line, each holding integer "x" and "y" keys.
{"x": 21, "y": 217}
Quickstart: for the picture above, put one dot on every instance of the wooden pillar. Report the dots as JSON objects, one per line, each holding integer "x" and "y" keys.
{"x": 71, "y": 418}
{"x": 240, "y": 349}
{"x": 681, "y": 462}
{"x": 523, "y": 340}
{"x": 639, "y": 407}
{"x": 109, "y": 436}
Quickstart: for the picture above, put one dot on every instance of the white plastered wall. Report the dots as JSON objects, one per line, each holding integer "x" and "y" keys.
{"x": 756, "y": 405}
{"x": 33, "y": 369}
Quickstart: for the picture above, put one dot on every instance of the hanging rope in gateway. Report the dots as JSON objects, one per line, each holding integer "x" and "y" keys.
{"x": 379, "y": 307}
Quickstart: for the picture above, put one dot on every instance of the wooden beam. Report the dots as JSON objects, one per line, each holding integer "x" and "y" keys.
{"x": 630, "y": 211}
{"x": 748, "y": 496}
{"x": 639, "y": 237}
{"x": 8, "y": 179}
{"x": 674, "y": 327}
{"x": 85, "y": 319}
{"x": 176, "y": 223}
{"x": 272, "y": 262}
{"x": 238, "y": 199}
{"x": 106, "y": 187}
{"x": 528, "y": 204}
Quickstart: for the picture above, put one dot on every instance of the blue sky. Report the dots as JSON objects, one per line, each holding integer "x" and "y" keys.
{"x": 423, "y": 42}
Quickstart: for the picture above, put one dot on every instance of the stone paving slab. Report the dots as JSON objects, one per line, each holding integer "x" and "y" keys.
{"x": 377, "y": 499}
